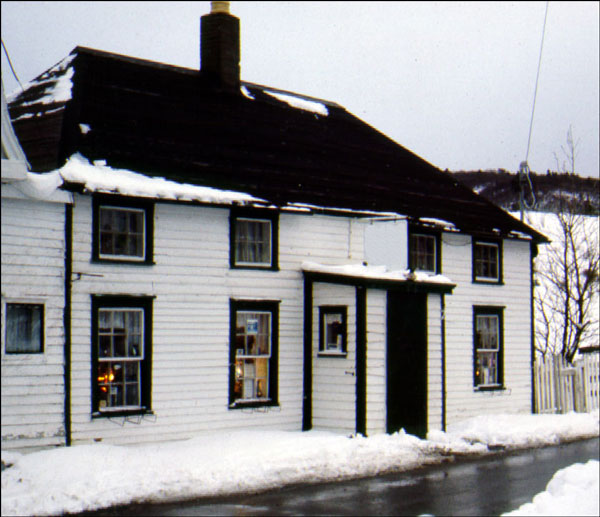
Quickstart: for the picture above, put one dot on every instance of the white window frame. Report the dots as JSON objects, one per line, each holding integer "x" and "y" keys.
{"x": 236, "y": 241}
{"x": 118, "y": 359}
{"x": 493, "y": 279}
{"x": 241, "y": 357}
{"x": 114, "y": 256}
{"x": 487, "y": 350}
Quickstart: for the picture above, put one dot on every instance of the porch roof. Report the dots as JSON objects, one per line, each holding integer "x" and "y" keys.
{"x": 378, "y": 277}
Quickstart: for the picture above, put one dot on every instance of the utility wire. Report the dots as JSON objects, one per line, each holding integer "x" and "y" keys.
{"x": 536, "y": 81}
{"x": 11, "y": 65}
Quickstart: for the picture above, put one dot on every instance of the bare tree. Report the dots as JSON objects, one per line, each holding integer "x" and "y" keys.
{"x": 566, "y": 300}
{"x": 567, "y": 274}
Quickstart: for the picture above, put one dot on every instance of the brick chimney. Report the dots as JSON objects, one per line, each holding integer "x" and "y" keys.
{"x": 220, "y": 47}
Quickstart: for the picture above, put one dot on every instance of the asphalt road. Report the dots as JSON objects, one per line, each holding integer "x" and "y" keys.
{"x": 484, "y": 486}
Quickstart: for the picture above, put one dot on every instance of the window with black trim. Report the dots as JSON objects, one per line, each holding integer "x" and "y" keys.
{"x": 254, "y": 239}
{"x": 24, "y": 328}
{"x": 121, "y": 354}
{"x": 487, "y": 262}
{"x": 488, "y": 347}
{"x": 424, "y": 251}
{"x": 253, "y": 353}
{"x": 122, "y": 230}
{"x": 333, "y": 330}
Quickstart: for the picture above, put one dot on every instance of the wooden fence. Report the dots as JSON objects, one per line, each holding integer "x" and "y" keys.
{"x": 561, "y": 387}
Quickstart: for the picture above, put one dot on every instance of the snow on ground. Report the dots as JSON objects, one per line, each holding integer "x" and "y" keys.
{"x": 86, "y": 477}
{"x": 571, "y": 491}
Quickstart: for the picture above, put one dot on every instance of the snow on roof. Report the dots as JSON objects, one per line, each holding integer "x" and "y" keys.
{"x": 99, "y": 177}
{"x": 300, "y": 102}
{"x": 375, "y": 273}
{"x": 57, "y": 84}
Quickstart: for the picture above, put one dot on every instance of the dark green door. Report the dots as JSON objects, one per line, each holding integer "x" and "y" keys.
{"x": 407, "y": 363}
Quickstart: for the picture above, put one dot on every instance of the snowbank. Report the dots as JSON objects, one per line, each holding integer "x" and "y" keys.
{"x": 87, "y": 477}
{"x": 571, "y": 491}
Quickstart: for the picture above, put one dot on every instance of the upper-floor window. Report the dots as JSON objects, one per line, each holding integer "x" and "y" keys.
{"x": 488, "y": 345}
{"x": 24, "y": 328}
{"x": 253, "y": 353}
{"x": 254, "y": 237}
{"x": 487, "y": 262}
{"x": 122, "y": 230}
{"x": 424, "y": 251}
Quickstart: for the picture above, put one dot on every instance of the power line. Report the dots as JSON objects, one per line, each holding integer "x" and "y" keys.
{"x": 536, "y": 81}
{"x": 11, "y": 65}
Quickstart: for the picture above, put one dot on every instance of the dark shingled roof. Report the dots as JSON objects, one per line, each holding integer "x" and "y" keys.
{"x": 162, "y": 120}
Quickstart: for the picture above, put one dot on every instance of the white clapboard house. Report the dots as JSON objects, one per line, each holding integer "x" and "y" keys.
{"x": 33, "y": 300}
{"x": 241, "y": 257}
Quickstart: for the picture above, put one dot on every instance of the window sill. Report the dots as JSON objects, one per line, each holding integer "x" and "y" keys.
{"x": 123, "y": 262}
{"x": 124, "y": 412}
{"x": 482, "y": 281}
{"x": 252, "y": 404}
{"x": 489, "y": 388}
{"x": 332, "y": 354}
{"x": 251, "y": 267}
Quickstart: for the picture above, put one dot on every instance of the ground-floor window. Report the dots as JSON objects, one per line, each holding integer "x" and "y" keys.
{"x": 24, "y": 328}
{"x": 253, "y": 353}
{"x": 121, "y": 354}
{"x": 333, "y": 330}
{"x": 488, "y": 347}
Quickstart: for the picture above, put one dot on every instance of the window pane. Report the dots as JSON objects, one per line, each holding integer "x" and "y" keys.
{"x": 486, "y": 261}
{"x": 252, "y": 241}
{"x": 486, "y": 368}
{"x": 121, "y": 232}
{"x": 24, "y": 325}
{"x": 487, "y": 332}
{"x": 334, "y": 331}
{"x": 422, "y": 252}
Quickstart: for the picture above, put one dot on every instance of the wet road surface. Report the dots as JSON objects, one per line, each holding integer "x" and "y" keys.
{"x": 483, "y": 486}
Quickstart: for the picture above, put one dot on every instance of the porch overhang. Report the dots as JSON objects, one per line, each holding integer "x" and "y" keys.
{"x": 377, "y": 277}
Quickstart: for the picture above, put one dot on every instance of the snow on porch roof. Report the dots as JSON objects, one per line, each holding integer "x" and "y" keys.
{"x": 378, "y": 276}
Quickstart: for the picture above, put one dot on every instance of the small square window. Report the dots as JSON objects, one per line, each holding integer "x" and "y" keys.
{"x": 487, "y": 265}
{"x": 122, "y": 231}
{"x": 332, "y": 330}
{"x": 253, "y": 240}
{"x": 24, "y": 328}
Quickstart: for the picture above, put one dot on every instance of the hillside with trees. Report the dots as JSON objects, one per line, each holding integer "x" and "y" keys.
{"x": 553, "y": 191}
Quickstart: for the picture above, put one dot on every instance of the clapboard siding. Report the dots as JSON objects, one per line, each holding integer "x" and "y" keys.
{"x": 434, "y": 362}
{"x": 33, "y": 251}
{"x": 462, "y": 401}
{"x": 192, "y": 285}
{"x": 334, "y": 385}
{"x": 376, "y": 355}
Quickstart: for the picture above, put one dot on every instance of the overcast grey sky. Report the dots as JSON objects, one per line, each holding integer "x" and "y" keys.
{"x": 451, "y": 81}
